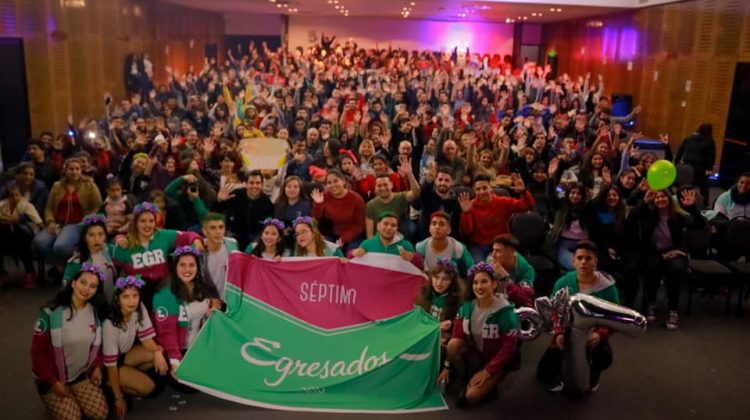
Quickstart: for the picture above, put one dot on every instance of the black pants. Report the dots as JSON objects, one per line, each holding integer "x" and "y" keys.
{"x": 673, "y": 271}
{"x": 629, "y": 281}
{"x": 549, "y": 370}
{"x": 16, "y": 240}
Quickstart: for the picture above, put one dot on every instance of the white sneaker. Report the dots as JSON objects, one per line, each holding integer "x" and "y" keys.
{"x": 673, "y": 321}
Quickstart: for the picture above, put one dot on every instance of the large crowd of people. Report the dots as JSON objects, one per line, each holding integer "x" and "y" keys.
{"x": 428, "y": 156}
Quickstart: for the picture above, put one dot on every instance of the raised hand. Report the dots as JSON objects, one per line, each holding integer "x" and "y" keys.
{"x": 607, "y": 175}
{"x": 208, "y": 146}
{"x": 464, "y": 201}
{"x": 554, "y": 164}
{"x": 664, "y": 138}
{"x": 404, "y": 167}
{"x": 317, "y": 196}
{"x": 517, "y": 183}
{"x": 687, "y": 198}
{"x": 224, "y": 193}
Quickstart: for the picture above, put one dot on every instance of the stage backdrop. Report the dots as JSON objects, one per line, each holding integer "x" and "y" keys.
{"x": 320, "y": 335}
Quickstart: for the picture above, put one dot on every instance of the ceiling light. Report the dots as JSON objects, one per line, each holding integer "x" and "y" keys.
{"x": 272, "y": 1}
{"x": 525, "y": 18}
{"x": 335, "y": 1}
{"x": 558, "y": 10}
{"x": 507, "y": 20}
{"x": 412, "y": 4}
{"x": 278, "y": 6}
{"x": 540, "y": 14}
{"x": 533, "y": 14}
{"x": 551, "y": 9}
{"x": 336, "y": 7}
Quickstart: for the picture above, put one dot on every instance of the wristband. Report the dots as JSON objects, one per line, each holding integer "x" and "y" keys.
{"x": 447, "y": 364}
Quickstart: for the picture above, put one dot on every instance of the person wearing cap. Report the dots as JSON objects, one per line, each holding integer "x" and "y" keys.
{"x": 396, "y": 203}
{"x": 389, "y": 241}
{"x": 441, "y": 245}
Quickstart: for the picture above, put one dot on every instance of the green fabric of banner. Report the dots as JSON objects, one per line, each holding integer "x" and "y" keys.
{"x": 262, "y": 356}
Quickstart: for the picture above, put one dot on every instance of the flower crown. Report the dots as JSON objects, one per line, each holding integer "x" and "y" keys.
{"x": 146, "y": 206}
{"x": 275, "y": 222}
{"x": 128, "y": 281}
{"x": 446, "y": 264}
{"x": 302, "y": 219}
{"x": 187, "y": 249}
{"x": 88, "y": 267}
{"x": 91, "y": 219}
{"x": 481, "y": 266}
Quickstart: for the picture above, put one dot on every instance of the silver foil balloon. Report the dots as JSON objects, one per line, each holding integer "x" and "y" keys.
{"x": 587, "y": 312}
{"x": 530, "y": 324}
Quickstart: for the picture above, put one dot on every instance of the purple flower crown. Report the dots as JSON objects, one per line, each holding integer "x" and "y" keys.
{"x": 302, "y": 219}
{"x": 446, "y": 264}
{"x": 91, "y": 219}
{"x": 187, "y": 249}
{"x": 481, "y": 266}
{"x": 146, "y": 206}
{"x": 276, "y": 222}
{"x": 128, "y": 281}
{"x": 88, "y": 267}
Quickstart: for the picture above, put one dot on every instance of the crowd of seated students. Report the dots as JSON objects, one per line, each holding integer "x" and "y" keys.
{"x": 423, "y": 155}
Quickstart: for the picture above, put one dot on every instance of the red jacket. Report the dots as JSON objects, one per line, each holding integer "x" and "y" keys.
{"x": 485, "y": 221}
{"x": 347, "y": 215}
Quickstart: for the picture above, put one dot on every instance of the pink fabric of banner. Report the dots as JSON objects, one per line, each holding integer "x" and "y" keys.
{"x": 326, "y": 292}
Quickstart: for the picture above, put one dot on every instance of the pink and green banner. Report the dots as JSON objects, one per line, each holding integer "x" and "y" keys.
{"x": 320, "y": 335}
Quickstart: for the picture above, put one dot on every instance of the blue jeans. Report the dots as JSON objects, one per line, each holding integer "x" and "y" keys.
{"x": 480, "y": 252}
{"x": 564, "y": 253}
{"x": 57, "y": 249}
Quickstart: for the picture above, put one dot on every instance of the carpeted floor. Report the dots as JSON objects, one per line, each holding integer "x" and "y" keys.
{"x": 697, "y": 372}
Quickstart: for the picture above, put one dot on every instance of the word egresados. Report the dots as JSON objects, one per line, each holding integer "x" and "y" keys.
{"x": 327, "y": 293}
{"x": 286, "y": 366}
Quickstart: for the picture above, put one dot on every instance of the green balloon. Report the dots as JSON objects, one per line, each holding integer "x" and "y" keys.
{"x": 661, "y": 174}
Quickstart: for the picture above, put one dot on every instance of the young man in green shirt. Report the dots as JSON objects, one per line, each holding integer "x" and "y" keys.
{"x": 396, "y": 203}
{"x": 389, "y": 241}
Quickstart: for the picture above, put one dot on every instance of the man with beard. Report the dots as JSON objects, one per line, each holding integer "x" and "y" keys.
{"x": 396, "y": 203}
{"x": 437, "y": 195}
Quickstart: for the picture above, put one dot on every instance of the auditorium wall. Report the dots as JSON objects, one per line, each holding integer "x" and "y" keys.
{"x": 677, "y": 60}
{"x": 75, "y": 49}
{"x": 409, "y": 34}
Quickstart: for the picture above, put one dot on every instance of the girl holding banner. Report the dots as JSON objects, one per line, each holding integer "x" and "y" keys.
{"x": 181, "y": 305}
{"x": 441, "y": 296}
{"x": 309, "y": 241}
{"x": 484, "y": 346}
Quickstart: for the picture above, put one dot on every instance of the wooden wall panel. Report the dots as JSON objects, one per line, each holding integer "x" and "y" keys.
{"x": 699, "y": 41}
{"x": 74, "y": 55}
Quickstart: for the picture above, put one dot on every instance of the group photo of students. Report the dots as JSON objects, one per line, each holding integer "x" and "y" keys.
{"x": 501, "y": 182}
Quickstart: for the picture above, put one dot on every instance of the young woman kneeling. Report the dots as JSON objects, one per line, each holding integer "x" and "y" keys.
{"x": 484, "y": 346}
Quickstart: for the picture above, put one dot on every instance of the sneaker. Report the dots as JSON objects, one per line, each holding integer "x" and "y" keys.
{"x": 673, "y": 321}
{"x": 29, "y": 281}
{"x": 557, "y": 388}
{"x": 651, "y": 313}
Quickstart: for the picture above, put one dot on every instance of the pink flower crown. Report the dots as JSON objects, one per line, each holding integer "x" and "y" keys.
{"x": 88, "y": 267}
{"x": 129, "y": 281}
